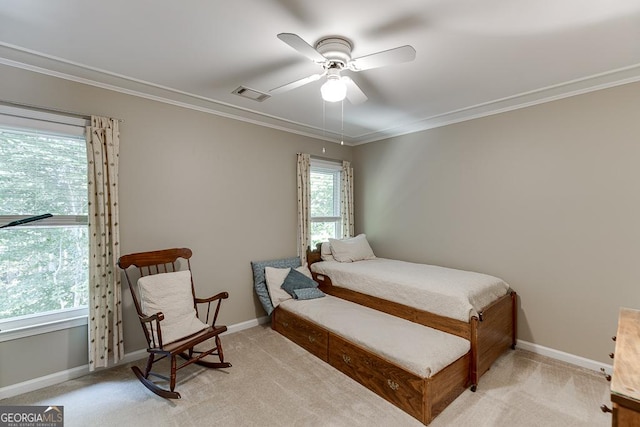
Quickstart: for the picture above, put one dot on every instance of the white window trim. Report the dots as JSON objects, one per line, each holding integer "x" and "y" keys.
{"x": 41, "y": 323}
{"x": 35, "y": 324}
{"x": 326, "y": 164}
{"x": 329, "y": 167}
{"x": 22, "y": 118}
{"x": 326, "y": 218}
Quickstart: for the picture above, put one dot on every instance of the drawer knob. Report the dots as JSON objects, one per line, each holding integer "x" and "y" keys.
{"x": 346, "y": 359}
{"x": 285, "y": 324}
{"x": 605, "y": 408}
{"x": 611, "y": 355}
{"x": 312, "y": 338}
{"x": 606, "y": 376}
{"x": 393, "y": 385}
{"x": 613, "y": 338}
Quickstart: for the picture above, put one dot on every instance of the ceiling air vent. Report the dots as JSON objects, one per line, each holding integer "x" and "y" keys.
{"x": 245, "y": 92}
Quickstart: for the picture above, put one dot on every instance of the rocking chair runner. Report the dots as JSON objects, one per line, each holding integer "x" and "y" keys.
{"x": 168, "y": 311}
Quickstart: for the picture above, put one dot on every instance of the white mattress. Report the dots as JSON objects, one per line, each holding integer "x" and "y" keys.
{"x": 418, "y": 349}
{"x": 457, "y": 294}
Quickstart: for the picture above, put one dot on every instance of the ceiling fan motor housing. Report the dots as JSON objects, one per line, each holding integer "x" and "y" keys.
{"x": 336, "y": 50}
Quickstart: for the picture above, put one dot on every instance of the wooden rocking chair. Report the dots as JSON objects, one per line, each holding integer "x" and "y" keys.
{"x": 168, "y": 311}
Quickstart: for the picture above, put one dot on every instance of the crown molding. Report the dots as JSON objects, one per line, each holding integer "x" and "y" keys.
{"x": 568, "y": 89}
{"x": 15, "y": 56}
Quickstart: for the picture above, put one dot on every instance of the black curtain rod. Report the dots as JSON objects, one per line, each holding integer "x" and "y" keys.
{"x": 50, "y": 110}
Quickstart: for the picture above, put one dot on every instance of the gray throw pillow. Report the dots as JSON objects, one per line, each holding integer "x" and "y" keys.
{"x": 308, "y": 293}
{"x": 260, "y": 283}
{"x": 296, "y": 280}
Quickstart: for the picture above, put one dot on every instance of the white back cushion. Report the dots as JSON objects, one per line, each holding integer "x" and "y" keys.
{"x": 275, "y": 278}
{"x": 170, "y": 293}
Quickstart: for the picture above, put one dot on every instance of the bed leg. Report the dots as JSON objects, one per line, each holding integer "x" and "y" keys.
{"x": 514, "y": 319}
{"x": 475, "y": 354}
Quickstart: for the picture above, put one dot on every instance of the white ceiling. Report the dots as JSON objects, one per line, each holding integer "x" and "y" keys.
{"x": 474, "y": 57}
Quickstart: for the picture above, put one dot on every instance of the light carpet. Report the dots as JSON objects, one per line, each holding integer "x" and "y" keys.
{"x": 273, "y": 382}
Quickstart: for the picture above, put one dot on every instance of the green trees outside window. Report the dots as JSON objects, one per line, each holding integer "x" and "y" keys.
{"x": 43, "y": 265}
{"x": 325, "y": 204}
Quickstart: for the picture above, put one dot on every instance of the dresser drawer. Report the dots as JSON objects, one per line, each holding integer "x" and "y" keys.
{"x": 307, "y": 335}
{"x": 393, "y": 383}
{"x": 625, "y": 417}
{"x": 625, "y": 378}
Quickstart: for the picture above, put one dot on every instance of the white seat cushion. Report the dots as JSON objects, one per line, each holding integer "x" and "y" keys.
{"x": 170, "y": 293}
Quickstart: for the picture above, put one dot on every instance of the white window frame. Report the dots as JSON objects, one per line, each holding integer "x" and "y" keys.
{"x": 34, "y": 324}
{"x": 336, "y": 168}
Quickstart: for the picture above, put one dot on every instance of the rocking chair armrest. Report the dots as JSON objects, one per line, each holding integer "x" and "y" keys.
{"x": 154, "y": 337}
{"x": 221, "y": 295}
{"x": 147, "y": 319}
{"x": 216, "y": 301}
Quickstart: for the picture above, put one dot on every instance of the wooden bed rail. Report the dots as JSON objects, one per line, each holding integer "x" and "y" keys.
{"x": 490, "y": 334}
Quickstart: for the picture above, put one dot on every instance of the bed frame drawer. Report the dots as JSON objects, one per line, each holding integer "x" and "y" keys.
{"x": 422, "y": 398}
{"x": 393, "y": 383}
{"x": 307, "y": 335}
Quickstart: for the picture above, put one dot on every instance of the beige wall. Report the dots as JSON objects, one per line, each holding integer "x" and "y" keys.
{"x": 222, "y": 187}
{"x": 546, "y": 197}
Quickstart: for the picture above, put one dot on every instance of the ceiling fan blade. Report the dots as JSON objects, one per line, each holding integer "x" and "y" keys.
{"x": 296, "y": 84}
{"x": 302, "y": 47}
{"x": 355, "y": 95}
{"x": 387, "y": 57}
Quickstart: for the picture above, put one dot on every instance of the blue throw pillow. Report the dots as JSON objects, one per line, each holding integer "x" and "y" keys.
{"x": 308, "y": 293}
{"x": 296, "y": 280}
{"x": 260, "y": 283}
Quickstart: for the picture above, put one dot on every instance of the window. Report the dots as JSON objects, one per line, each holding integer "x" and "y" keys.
{"x": 326, "y": 221}
{"x": 43, "y": 264}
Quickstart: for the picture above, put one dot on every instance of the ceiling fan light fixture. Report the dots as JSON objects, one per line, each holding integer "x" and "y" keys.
{"x": 334, "y": 89}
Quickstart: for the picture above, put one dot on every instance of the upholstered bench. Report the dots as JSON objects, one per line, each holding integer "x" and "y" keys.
{"x": 419, "y": 369}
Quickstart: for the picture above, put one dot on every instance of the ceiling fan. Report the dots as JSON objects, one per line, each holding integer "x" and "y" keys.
{"x": 334, "y": 55}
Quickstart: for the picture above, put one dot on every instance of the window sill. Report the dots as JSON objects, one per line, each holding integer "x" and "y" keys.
{"x": 43, "y": 328}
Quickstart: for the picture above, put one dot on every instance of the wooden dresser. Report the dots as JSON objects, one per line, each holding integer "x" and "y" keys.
{"x": 625, "y": 380}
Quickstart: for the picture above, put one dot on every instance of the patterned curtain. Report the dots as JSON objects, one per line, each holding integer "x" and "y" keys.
{"x": 346, "y": 199}
{"x": 304, "y": 205}
{"x": 105, "y": 306}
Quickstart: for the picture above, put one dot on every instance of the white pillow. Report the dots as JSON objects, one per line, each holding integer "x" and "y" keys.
{"x": 275, "y": 278}
{"x": 170, "y": 293}
{"x": 325, "y": 252}
{"x": 304, "y": 269}
{"x": 351, "y": 249}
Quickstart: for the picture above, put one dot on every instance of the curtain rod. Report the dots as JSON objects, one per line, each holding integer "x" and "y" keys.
{"x": 51, "y": 110}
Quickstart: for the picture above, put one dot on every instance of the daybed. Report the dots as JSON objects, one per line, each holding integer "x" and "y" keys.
{"x": 443, "y": 300}
{"x": 419, "y": 369}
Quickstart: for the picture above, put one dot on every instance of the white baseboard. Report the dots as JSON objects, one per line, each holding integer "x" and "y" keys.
{"x": 246, "y": 325}
{"x": 564, "y": 357}
{"x": 69, "y": 374}
{"x": 40, "y": 382}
